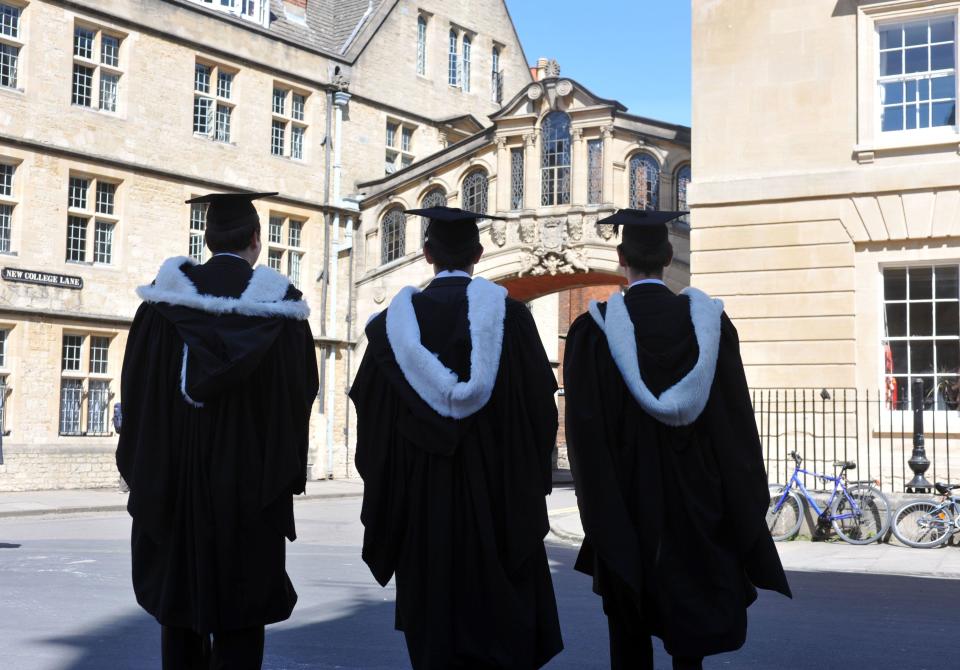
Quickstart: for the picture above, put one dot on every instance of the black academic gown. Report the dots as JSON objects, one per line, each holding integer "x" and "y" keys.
{"x": 211, "y": 487}
{"x": 673, "y": 516}
{"x": 456, "y": 509}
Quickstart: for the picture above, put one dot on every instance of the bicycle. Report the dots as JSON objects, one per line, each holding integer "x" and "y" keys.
{"x": 858, "y": 511}
{"x": 925, "y": 524}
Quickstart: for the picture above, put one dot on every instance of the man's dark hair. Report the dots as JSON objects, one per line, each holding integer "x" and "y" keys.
{"x": 647, "y": 260}
{"x": 445, "y": 259}
{"x": 225, "y": 241}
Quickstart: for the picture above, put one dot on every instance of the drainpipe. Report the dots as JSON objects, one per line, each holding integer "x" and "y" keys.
{"x": 340, "y": 101}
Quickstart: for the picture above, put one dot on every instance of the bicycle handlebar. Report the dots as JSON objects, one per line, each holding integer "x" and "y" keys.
{"x": 796, "y": 457}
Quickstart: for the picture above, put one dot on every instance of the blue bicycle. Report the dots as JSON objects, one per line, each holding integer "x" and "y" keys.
{"x": 858, "y": 511}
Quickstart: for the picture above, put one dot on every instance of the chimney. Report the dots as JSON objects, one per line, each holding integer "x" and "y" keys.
{"x": 540, "y": 73}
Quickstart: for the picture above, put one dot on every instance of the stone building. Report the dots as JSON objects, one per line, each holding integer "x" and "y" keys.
{"x": 114, "y": 112}
{"x": 826, "y": 208}
{"x": 554, "y": 160}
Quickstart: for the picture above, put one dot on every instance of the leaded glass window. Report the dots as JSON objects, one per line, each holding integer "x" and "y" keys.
{"x": 555, "y": 160}
{"x": 917, "y": 77}
{"x": 452, "y": 60}
{"x": 594, "y": 172}
{"x": 421, "y": 45}
{"x": 467, "y": 47}
{"x": 683, "y": 181}
{"x": 392, "y": 235}
{"x": 71, "y": 402}
{"x": 198, "y": 224}
{"x": 98, "y": 405}
{"x": 644, "y": 182}
{"x": 516, "y": 178}
{"x": 496, "y": 77}
{"x": 475, "y": 192}
{"x": 435, "y": 197}
{"x": 922, "y": 324}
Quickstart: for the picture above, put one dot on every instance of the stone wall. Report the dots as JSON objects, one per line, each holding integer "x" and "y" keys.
{"x": 44, "y": 467}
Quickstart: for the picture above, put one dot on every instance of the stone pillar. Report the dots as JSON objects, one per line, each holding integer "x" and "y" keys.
{"x": 606, "y": 134}
{"x": 531, "y": 170}
{"x": 502, "y": 200}
{"x": 578, "y": 169}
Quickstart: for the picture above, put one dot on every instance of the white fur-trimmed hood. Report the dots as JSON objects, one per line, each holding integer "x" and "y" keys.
{"x": 436, "y": 384}
{"x": 682, "y": 403}
{"x": 262, "y": 297}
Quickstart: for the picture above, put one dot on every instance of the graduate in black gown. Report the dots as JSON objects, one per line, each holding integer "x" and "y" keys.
{"x": 667, "y": 462}
{"x": 456, "y": 422}
{"x": 218, "y": 382}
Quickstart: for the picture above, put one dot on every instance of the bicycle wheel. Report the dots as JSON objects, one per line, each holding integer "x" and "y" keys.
{"x": 923, "y": 524}
{"x": 784, "y": 523}
{"x": 869, "y": 517}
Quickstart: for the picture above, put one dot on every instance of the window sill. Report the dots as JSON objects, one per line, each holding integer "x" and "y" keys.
{"x": 866, "y": 151}
{"x": 12, "y": 91}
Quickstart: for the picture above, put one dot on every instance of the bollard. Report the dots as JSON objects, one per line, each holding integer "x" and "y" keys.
{"x": 918, "y": 462}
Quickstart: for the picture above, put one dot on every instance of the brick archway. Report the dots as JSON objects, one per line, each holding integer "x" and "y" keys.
{"x": 530, "y": 287}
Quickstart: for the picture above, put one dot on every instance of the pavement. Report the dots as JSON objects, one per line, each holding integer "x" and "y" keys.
{"x": 799, "y": 555}
{"x": 67, "y": 604}
{"x": 86, "y": 501}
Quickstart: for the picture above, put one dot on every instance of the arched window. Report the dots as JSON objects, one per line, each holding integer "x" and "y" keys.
{"x": 683, "y": 179}
{"x": 467, "y": 45}
{"x": 474, "y": 192}
{"x": 435, "y": 197}
{"x": 644, "y": 182}
{"x": 555, "y": 160}
{"x": 421, "y": 45}
{"x": 496, "y": 78}
{"x": 452, "y": 60}
{"x": 393, "y": 230}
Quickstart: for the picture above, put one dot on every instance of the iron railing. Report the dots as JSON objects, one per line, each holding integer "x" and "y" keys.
{"x": 845, "y": 424}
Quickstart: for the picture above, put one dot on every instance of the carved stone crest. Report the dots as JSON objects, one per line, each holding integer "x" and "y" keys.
{"x": 528, "y": 231}
{"x": 574, "y": 229}
{"x": 605, "y": 231}
{"x": 498, "y": 232}
{"x": 552, "y": 254}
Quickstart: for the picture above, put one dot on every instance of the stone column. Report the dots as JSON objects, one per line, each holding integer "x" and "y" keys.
{"x": 606, "y": 133}
{"x": 502, "y": 199}
{"x": 531, "y": 172}
{"x": 578, "y": 169}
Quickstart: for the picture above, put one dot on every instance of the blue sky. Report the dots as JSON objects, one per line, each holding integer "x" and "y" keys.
{"x": 634, "y": 51}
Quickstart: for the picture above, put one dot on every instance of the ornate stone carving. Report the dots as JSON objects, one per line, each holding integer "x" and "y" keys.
{"x": 577, "y": 134}
{"x": 564, "y": 86}
{"x": 574, "y": 229}
{"x": 501, "y": 143}
{"x": 553, "y": 254}
{"x": 498, "y": 232}
{"x": 553, "y": 68}
{"x": 606, "y": 132}
{"x": 379, "y": 292}
{"x": 530, "y": 139}
{"x": 605, "y": 231}
{"x": 534, "y": 92}
{"x": 528, "y": 231}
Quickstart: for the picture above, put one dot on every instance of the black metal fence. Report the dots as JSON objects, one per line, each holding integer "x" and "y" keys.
{"x": 827, "y": 425}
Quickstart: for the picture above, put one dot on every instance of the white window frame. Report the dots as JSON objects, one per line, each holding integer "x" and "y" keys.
{"x": 83, "y": 377}
{"x": 255, "y": 11}
{"x": 216, "y": 101}
{"x": 6, "y": 388}
{"x": 101, "y": 70}
{"x": 398, "y": 154}
{"x": 423, "y": 27}
{"x": 9, "y": 200}
{"x": 870, "y": 138}
{"x": 196, "y": 245}
{"x": 16, "y": 42}
{"x": 95, "y": 219}
{"x": 288, "y": 121}
{"x": 283, "y": 255}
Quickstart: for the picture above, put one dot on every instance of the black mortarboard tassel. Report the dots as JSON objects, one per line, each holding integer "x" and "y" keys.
{"x": 229, "y": 211}
{"x": 452, "y": 229}
{"x": 643, "y": 227}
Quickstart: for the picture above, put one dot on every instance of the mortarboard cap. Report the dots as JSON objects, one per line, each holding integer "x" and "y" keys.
{"x": 452, "y": 229}
{"x": 229, "y": 211}
{"x": 645, "y": 227}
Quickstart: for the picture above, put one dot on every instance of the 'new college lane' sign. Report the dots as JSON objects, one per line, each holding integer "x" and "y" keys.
{"x": 42, "y": 278}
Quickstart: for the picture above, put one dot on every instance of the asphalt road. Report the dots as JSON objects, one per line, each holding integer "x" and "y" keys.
{"x": 66, "y": 603}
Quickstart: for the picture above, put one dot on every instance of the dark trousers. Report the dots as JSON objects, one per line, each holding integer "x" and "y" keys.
{"x": 184, "y": 649}
{"x": 632, "y": 649}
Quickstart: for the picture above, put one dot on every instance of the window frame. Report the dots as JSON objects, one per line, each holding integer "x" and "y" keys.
{"x": 92, "y": 220}
{"x": 398, "y": 145}
{"x": 422, "y": 27}
{"x": 393, "y": 240}
{"x": 9, "y": 202}
{"x": 559, "y": 174}
{"x": 197, "y": 227}
{"x": 6, "y": 389}
{"x": 282, "y": 247}
{"x": 85, "y": 385}
{"x": 435, "y": 196}
{"x": 290, "y": 119}
{"x": 16, "y": 44}
{"x": 220, "y": 108}
{"x": 469, "y": 191}
{"x": 99, "y": 70}
{"x": 632, "y": 186}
